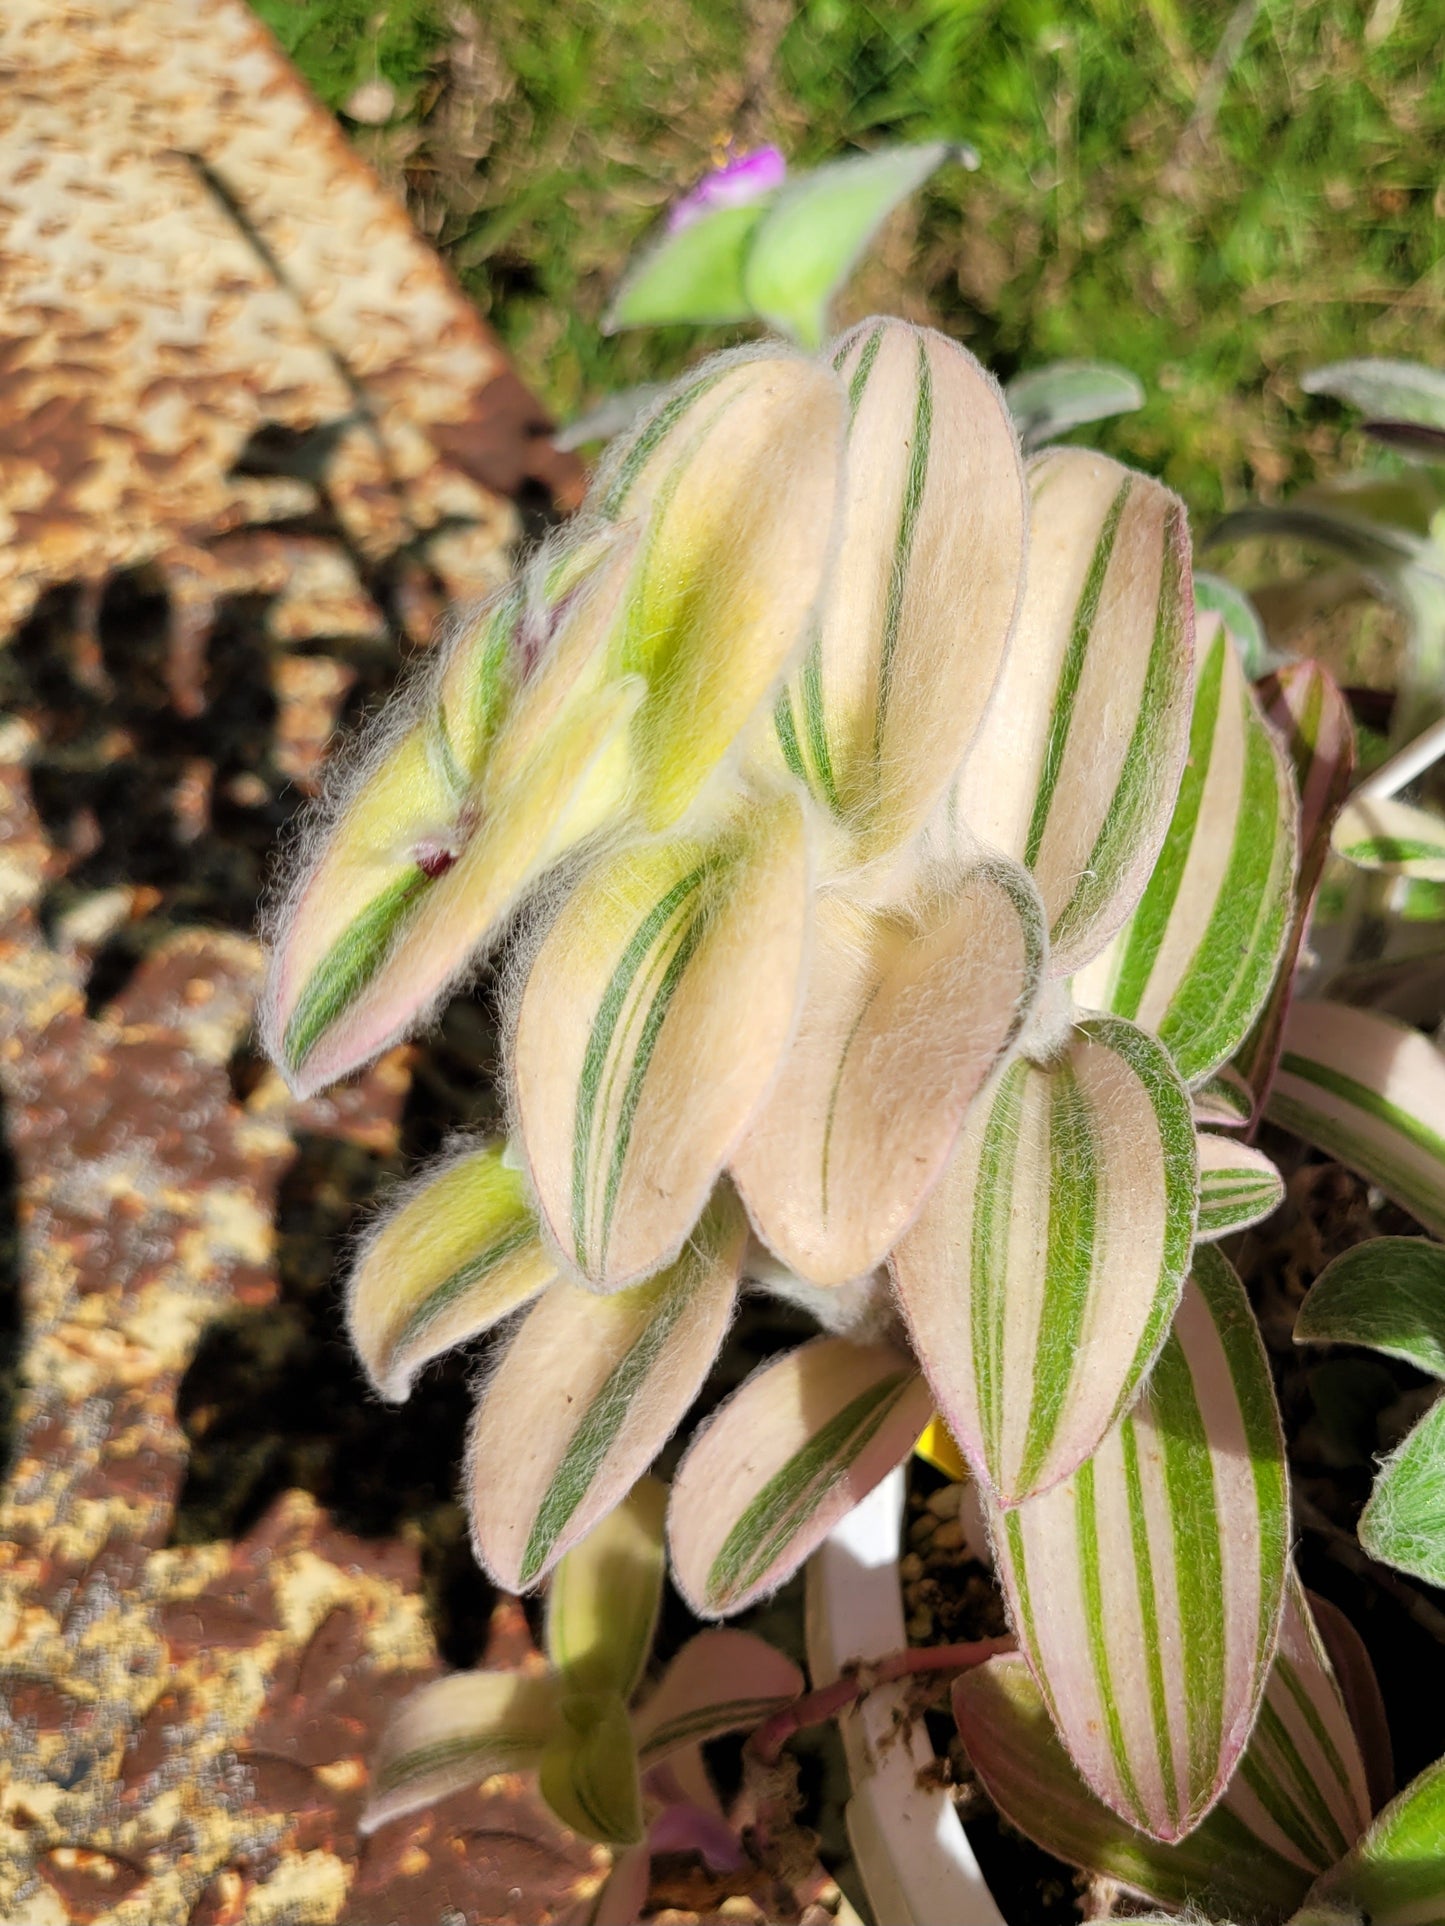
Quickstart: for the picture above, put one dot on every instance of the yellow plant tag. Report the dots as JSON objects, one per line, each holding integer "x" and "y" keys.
{"x": 936, "y": 1447}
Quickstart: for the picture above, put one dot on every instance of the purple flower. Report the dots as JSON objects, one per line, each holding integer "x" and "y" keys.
{"x": 734, "y": 184}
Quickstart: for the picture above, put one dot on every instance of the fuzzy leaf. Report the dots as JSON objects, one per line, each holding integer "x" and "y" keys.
{"x": 586, "y": 1395}
{"x": 1395, "y": 1875}
{"x": 1393, "y": 838}
{"x": 1238, "y": 1186}
{"x": 1370, "y": 1092}
{"x": 789, "y": 1454}
{"x": 1195, "y": 961}
{"x": 1075, "y": 771}
{"x": 588, "y": 1773}
{"x": 1304, "y": 704}
{"x": 807, "y": 244}
{"x": 1216, "y": 595}
{"x": 905, "y": 1015}
{"x": 456, "y": 1732}
{"x": 1385, "y": 390}
{"x": 1388, "y": 1294}
{"x": 457, "y": 1252}
{"x": 924, "y": 590}
{"x": 1041, "y": 1277}
{"x": 652, "y": 1024}
{"x": 459, "y": 803}
{"x": 603, "y": 1600}
{"x": 1404, "y": 1522}
{"x": 739, "y": 475}
{"x": 691, "y": 274}
{"x": 1297, "y": 1800}
{"x": 1047, "y": 402}
{"x": 721, "y": 1681}
{"x": 1146, "y": 1588}
{"x": 1223, "y": 1100}
{"x": 1340, "y": 531}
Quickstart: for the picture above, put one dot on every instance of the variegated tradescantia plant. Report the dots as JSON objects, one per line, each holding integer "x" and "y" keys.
{"x": 894, "y": 874}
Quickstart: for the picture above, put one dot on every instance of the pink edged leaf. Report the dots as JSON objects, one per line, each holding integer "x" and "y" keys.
{"x": 1146, "y": 1589}
{"x": 1297, "y": 1800}
{"x": 1303, "y": 702}
{"x": 1238, "y": 1186}
{"x": 924, "y": 591}
{"x": 586, "y": 1395}
{"x": 456, "y": 1732}
{"x": 604, "y": 1597}
{"x": 429, "y": 794}
{"x": 1040, "y": 1279}
{"x": 1360, "y": 1689}
{"x": 1075, "y": 771}
{"x": 721, "y": 1681}
{"x": 789, "y": 1454}
{"x": 1370, "y": 1092}
{"x": 905, "y": 1015}
{"x": 1395, "y": 1875}
{"x": 653, "y": 1021}
{"x": 455, "y": 1253}
{"x": 1197, "y": 958}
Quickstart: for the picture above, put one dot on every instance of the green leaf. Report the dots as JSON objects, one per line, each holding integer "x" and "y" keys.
{"x": 807, "y": 244}
{"x": 1395, "y": 1875}
{"x": 1040, "y": 1278}
{"x": 1388, "y": 1294}
{"x": 1047, "y": 402}
{"x": 1385, "y": 390}
{"x": 1404, "y": 1523}
{"x": 694, "y": 275}
{"x": 1215, "y": 595}
{"x": 1146, "y": 1589}
{"x": 588, "y": 1773}
{"x": 1297, "y": 1800}
{"x": 603, "y": 1602}
{"x": 1197, "y": 957}
{"x": 1238, "y": 1186}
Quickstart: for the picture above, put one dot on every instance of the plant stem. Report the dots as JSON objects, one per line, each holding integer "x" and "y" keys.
{"x": 766, "y": 1744}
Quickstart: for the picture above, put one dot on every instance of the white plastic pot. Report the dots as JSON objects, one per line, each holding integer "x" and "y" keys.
{"x": 912, "y": 1852}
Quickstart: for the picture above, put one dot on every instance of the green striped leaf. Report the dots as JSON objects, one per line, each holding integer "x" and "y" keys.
{"x": 813, "y": 234}
{"x": 603, "y": 1600}
{"x": 457, "y": 1731}
{"x": 1195, "y": 961}
{"x": 1238, "y": 1186}
{"x": 402, "y": 815}
{"x": 906, "y": 1012}
{"x": 1395, "y": 1875}
{"x": 923, "y": 590}
{"x": 790, "y": 1453}
{"x": 721, "y": 1681}
{"x": 1370, "y": 1092}
{"x": 737, "y": 478}
{"x": 1388, "y": 1294}
{"x": 586, "y": 1395}
{"x": 1040, "y": 1279}
{"x": 1304, "y": 705}
{"x": 1075, "y": 771}
{"x": 588, "y": 1774}
{"x": 1047, "y": 402}
{"x": 1404, "y": 1522}
{"x": 456, "y": 1253}
{"x": 1297, "y": 1800}
{"x": 1224, "y": 1100}
{"x": 652, "y": 1023}
{"x": 1146, "y": 1589}
{"x": 1392, "y": 838}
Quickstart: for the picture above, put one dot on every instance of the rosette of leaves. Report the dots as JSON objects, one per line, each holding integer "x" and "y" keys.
{"x": 617, "y": 1755}
{"x": 889, "y": 936}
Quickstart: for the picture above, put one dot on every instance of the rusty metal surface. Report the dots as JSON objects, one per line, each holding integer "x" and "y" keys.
{"x": 190, "y": 257}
